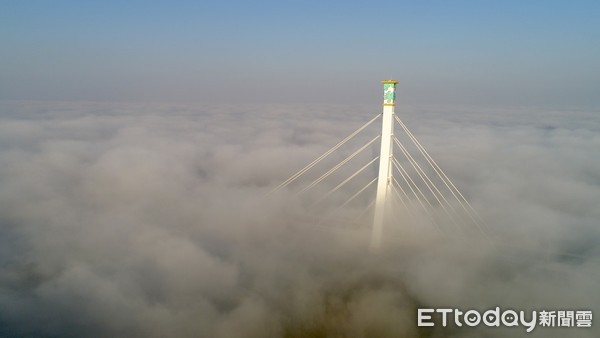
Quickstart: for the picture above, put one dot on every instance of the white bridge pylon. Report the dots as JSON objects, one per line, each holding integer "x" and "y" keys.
{"x": 410, "y": 181}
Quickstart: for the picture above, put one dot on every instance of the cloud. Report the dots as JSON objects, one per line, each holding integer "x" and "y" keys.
{"x": 129, "y": 220}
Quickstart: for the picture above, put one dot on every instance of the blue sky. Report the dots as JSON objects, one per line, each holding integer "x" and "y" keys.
{"x": 463, "y": 52}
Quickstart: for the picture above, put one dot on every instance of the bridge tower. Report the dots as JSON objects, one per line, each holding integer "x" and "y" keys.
{"x": 419, "y": 193}
{"x": 384, "y": 180}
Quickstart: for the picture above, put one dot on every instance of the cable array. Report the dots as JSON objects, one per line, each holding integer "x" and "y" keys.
{"x": 320, "y": 158}
{"x": 416, "y": 189}
{"x": 450, "y": 210}
{"x": 418, "y": 186}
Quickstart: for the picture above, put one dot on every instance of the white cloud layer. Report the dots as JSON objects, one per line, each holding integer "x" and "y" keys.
{"x": 126, "y": 220}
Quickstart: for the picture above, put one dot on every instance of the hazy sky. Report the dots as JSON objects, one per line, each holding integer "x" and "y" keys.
{"x": 502, "y": 52}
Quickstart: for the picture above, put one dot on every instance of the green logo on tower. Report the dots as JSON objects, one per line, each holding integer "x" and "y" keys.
{"x": 389, "y": 93}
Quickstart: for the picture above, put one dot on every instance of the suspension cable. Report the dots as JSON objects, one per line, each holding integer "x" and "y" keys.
{"x": 401, "y": 200}
{"x": 427, "y": 211}
{"x": 403, "y": 172}
{"x": 320, "y": 158}
{"x": 347, "y": 180}
{"x": 358, "y": 193}
{"x": 339, "y": 165}
{"x": 425, "y": 178}
{"x": 365, "y": 210}
{"x": 401, "y": 189}
{"x": 453, "y": 189}
{"x": 435, "y": 166}
{"x": 336, "y": 210}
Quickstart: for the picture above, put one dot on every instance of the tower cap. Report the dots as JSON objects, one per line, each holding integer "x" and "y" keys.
{"x": 389, "y": 81}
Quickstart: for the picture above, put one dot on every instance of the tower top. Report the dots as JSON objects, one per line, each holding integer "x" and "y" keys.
{"x": 389, "y": 92}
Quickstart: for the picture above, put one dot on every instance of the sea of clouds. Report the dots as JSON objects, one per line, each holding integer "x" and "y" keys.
{"x": 150, "y": 220}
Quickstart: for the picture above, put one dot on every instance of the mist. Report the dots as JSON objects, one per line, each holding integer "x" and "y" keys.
{"x": 150, "y": 220}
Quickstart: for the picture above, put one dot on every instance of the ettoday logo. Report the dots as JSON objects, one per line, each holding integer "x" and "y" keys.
{"x": 509, "y": 318}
